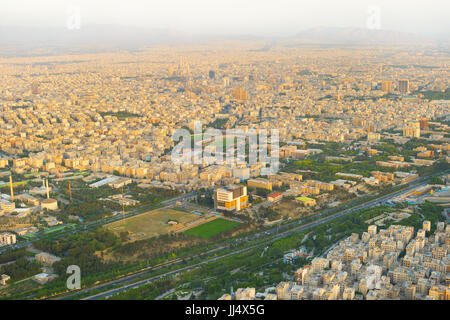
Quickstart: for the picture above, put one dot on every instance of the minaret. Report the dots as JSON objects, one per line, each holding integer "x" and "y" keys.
{"x": 11, "y": 187}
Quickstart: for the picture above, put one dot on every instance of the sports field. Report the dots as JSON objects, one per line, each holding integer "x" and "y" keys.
{"x": 153, "y": 223}
{"x": 210, "y": 229}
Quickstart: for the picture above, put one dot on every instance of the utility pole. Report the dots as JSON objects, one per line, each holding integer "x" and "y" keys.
{"x": 123, "y": 206}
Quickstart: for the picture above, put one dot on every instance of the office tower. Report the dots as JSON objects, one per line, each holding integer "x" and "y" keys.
{"x": 411, "y": 128}
{"x": 240, "y": 94}
{"x": 212, "y": 74}
{"x": 226, "y": 82}
{"x": 403, "y": 86}
{"x": 386, "y": 85}
{"x": 230, "y": 198}
{"x": 183, "y": 68}
{"x": 172, "y": 71}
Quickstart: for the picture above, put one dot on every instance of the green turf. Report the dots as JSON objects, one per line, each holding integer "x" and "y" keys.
{"x": 212, "y": 228}
{"x": 54, "y": 229}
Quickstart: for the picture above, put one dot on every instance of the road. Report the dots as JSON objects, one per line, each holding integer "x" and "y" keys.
{"x": 171, "y": 273}
{"x": 182, "y": 198}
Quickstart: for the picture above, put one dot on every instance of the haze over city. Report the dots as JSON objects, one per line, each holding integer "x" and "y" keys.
{"x": 233, "y": 17}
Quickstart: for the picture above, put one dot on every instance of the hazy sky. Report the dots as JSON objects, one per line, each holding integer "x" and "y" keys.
{"x": 269, "y": 17}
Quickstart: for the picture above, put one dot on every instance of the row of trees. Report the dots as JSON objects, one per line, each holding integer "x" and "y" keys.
{"x": 21, "y": 269}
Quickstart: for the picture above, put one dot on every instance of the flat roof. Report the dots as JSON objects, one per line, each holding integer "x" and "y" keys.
{"x": 304, "y": 199}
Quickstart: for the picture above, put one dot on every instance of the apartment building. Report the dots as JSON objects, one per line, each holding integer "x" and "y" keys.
{"x": 7, "y": 238}
{"x": 260, "y": 183}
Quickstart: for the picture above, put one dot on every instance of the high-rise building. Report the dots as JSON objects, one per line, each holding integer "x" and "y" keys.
{"x": 240, "y": 94}
{"x": 172, "y": 71}
{"x": 386, "y": 85}
{"x": 423, "y": 124}
{"x": 230, "y": 198}
{"x": 226, "y": 81}
{"x": 403, "y": 86}
{"x": 35, "y": 88}
{"x": 212, "y": 74}
{"x": 370, "y": 127}
{"x": 411, "y": 128}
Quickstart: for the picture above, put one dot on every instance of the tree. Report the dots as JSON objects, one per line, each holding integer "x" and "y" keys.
{"x": 435, "y": 180}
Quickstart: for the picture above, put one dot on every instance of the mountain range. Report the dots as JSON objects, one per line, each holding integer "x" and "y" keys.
{"x": 22, "y": 41}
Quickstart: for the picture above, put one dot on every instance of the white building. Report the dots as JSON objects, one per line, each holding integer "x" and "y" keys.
{"x": 7, "y": 238}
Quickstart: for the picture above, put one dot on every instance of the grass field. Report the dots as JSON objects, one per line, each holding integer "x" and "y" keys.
{"x": 153, "y": 223}
{"x": 210, "y": 229}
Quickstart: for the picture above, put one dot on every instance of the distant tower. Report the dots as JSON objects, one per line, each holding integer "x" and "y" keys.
{"x": 226, "y": 81}
{"x": 403, "y": 86}
{"x": 386, "y": 85}
{"x": 240, "y": 94}
{"x": 35, "y": 88}
{"x": 180, "y": 67}
{"x": 183, "y": 68}
{"x": 172, "y": 72}
{"x": 212, "y": 74}
{"x": 370, "y": 127}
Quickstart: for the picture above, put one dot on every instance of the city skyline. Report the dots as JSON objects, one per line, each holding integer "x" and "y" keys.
{"x": 224, "y": 150}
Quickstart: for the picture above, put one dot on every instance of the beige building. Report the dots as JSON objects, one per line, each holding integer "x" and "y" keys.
{"x": 47, "y": 258}
{"x": 7, "y": 238}
{"x": 260, "y": 183}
